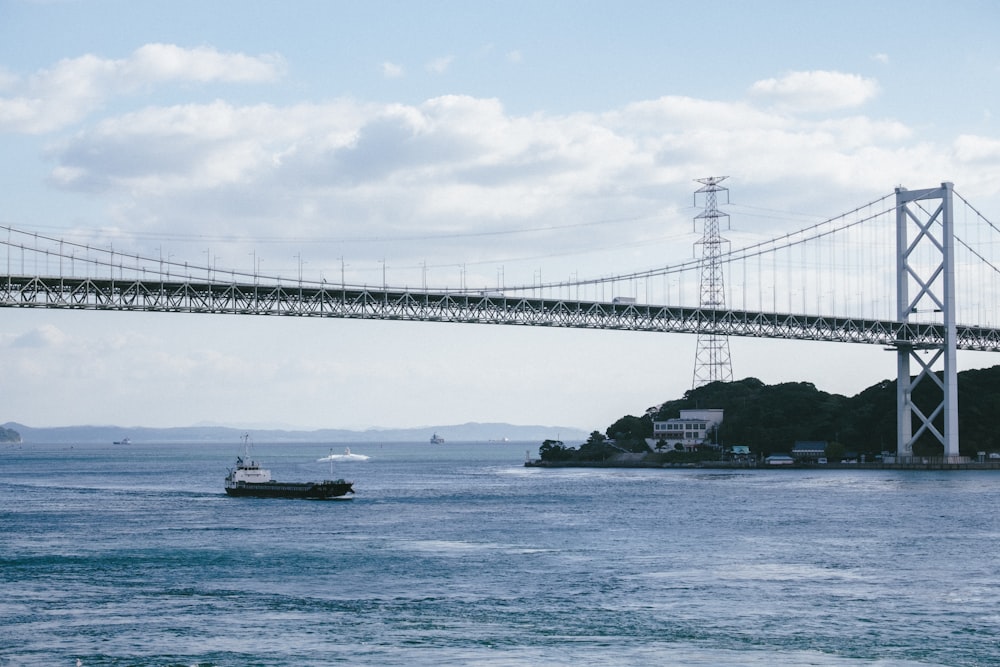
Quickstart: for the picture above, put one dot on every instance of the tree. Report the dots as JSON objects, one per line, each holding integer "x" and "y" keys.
{"x": 554, "y": 450}
{"x": 834, "y": 452}
{"x": 630, "y": 432}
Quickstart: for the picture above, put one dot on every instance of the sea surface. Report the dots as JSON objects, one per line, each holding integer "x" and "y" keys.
{"x": 457, "y": 554}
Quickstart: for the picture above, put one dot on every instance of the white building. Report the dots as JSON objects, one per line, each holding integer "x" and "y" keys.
{"x": 691, "y": 429}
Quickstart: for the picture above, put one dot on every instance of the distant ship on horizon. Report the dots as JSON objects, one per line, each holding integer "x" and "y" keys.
{"x": 437, "y": 440}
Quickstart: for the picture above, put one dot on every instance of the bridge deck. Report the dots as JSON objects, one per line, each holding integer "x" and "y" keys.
{"x": 482, "y": 308}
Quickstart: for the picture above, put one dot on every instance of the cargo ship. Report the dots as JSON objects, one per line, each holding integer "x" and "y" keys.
{"x": 248, "y": 479}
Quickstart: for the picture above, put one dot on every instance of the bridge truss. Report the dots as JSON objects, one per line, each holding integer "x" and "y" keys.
{"x": 430, "y": 306}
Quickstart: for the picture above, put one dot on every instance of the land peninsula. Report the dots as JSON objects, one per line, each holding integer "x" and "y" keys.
{"x": 763, "y": 420}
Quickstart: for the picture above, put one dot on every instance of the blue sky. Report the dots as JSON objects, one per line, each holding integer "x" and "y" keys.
{"x": 391, "y": 135}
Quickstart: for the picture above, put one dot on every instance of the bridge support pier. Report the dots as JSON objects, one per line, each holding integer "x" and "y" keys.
{"x": 926, "y": 262}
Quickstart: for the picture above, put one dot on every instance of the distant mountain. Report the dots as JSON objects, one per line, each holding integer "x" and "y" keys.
{"x": 470, "y": 432}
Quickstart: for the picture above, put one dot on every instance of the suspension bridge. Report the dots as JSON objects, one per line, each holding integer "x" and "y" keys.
{"x": 909, "y": 271}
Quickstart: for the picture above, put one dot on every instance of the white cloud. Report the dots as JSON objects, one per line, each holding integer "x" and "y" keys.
{"x": 155, "y": 63}
{"x": 44, "y": 336}
{"x": 676, "y": 113}
{"x": 440, "y": 65}
{"x": 975, "y": 149}
{"x": 815, "y": 91}
{"x": 515, "y": 57}
{"x": 882, "y": 58}
{"x": 392, "y": 70}
{"x": 7, "y": 79}
{"x": 347, "y": 169}
{"x": 64, "y": 94}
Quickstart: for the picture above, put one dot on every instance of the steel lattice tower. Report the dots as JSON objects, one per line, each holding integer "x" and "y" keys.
{"x": 712, "y": 362}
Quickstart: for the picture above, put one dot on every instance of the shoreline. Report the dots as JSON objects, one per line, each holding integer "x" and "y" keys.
{"x": 752, "y": 465}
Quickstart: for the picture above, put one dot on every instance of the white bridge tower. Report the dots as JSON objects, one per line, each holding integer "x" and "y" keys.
{"x": 925, "y": 293}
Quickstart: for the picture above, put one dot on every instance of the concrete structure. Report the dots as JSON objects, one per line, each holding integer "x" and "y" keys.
{"x": 692, "y": 429}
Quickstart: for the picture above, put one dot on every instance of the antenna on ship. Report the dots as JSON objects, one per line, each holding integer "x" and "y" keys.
{"x": 246, "y": 446}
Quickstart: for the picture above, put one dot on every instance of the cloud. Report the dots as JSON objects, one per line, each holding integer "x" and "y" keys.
{"x": 882, "y": 58}
{"x": 392, "y": 70}
{"x": 453, "y": 170}
{"x": 815, "y": 91}
{"x": 515, "y": 57}
{"x": 154, "y": 63}
{"x": 352, "y": 170}
{"x": 976, "y": 149}
{"x": 67, "y": 92}
{"x": 44, "y": 336}
{"x": 440, "y": 65}
{"x": 7, "y": 79}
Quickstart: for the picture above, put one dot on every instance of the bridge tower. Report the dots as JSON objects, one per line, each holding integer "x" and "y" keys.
{"x": 925, "y": 262}
{"x": 712, "y": 362}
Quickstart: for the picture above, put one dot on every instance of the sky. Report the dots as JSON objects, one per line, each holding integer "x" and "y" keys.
{"x": 447, "y": 143}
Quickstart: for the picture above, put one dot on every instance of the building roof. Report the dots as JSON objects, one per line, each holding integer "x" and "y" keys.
{"x": 676, "y": 420}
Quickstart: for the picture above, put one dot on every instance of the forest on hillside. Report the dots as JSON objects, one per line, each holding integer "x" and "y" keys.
{"x": 771, "y": 418}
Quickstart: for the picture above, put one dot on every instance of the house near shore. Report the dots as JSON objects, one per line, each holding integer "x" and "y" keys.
{"x": 693, "y": 429}
{"x": 740, "y": 453}
{"x": 809, "y": 450}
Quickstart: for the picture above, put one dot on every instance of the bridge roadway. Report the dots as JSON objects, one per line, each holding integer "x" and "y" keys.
{"x": 311, "y": 300}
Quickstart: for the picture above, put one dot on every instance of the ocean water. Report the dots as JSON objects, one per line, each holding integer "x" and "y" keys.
{"x": 457, "y": 554}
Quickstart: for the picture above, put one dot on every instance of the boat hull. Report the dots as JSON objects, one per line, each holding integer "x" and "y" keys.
{"x": 325, "y": 490}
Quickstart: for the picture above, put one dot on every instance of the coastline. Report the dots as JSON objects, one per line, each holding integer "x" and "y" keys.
{"x": 644, "y": 461}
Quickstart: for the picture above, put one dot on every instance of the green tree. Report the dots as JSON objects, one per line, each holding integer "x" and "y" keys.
{"x": 630, "y": 432}
{"x": 834, "y": 452}
{"x": 554, "y": 450}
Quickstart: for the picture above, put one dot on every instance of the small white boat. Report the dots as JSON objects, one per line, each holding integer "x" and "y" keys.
{"x": 346, "y": 456}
